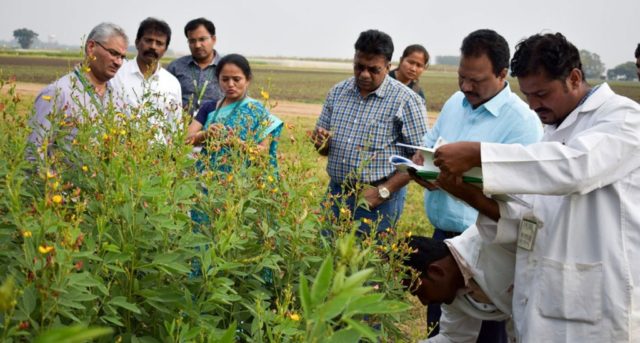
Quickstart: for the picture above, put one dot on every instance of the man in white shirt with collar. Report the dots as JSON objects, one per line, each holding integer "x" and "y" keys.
{"x": 576, "y": 277}
{"x": 145, "y": 81}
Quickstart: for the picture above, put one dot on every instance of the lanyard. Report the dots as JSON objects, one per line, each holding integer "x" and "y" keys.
{"x": 89, "y": 89}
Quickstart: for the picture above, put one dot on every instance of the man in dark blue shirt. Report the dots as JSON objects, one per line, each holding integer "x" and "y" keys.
{"x": 196, "y": 72}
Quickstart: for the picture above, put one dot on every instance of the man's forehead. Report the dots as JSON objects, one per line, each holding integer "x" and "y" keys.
{"x": 200, "y": 30}
{"x": 155, "y": 35}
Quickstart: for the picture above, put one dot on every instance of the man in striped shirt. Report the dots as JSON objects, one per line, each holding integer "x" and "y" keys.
{"x": 362, "y": 120}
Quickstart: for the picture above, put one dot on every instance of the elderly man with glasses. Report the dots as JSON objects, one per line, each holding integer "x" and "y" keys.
{"x": 362, "y": 120}
{"x": 86, "y": 88}
{"x": 196, "y": 72}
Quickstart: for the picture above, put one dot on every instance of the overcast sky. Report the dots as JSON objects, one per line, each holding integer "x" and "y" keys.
{"x": 328, "y": 28}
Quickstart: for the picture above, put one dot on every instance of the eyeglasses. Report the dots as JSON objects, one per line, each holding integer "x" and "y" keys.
{"x": 193, "y": 41}
{"x": 372, "y": 70}
{"x": 112, "y": 52}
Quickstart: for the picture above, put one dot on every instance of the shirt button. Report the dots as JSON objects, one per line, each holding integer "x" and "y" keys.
{"x": 344, "y": 161}
{"x": 349, "y": 140}
{"x": 355, "y": 121}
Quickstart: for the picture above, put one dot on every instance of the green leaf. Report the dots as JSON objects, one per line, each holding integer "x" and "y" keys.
{"x": 361, "y": 304}
{"x": 305, "y": 298}
{"x": 122, "y": 302}
{"x": 29, "y": 299}
{"x": 72, "y": 334}
{"x": 387, "y": 306}
{"x": 357, "y": 279}
{"x": 320, "y": 287}
{"x": 230, "y": 334}
{"x": 345, "y": 335}
{"x": 333, "y": 307}
{"x": 362, "y": 329}
{"x": 113, "y": 320}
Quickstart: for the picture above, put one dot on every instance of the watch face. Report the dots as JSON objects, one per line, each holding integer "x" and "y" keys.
{"x": 383, "y": 192}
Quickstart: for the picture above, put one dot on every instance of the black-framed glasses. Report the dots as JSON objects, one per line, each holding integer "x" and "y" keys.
{"x": 193, "y": 41}
{"x": 113, "y": 53}
{"x": 375, "y": 70}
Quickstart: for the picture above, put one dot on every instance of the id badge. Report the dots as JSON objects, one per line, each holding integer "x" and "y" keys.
{"x": 527, "y": 233}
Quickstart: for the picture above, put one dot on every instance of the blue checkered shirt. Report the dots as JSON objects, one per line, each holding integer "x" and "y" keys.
{"x": 365, "y": 130}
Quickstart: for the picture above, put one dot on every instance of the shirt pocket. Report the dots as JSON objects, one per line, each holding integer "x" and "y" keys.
{"x": 379, "y": 135}
{"x": 571, "y": 291}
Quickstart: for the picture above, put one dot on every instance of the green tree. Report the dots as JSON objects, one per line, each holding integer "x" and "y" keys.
{"x": 25, "y": 37}
{"x": 624, "y": 71}
{"x": 591, "y": 64}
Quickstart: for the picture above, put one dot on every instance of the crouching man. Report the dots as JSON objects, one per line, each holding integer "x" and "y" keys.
{"x": 472, "y": 277}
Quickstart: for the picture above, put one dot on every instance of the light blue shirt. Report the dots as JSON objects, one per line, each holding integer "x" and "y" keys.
{"x": 503, "y": 119}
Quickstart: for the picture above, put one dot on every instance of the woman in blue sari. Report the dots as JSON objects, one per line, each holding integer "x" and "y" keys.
{"x": 236, "y": 114}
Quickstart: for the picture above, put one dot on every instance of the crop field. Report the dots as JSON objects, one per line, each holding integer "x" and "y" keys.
{"x": 101, "y": 240}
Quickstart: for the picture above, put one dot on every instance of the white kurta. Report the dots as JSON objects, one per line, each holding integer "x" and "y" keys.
{"x": 581, "y": 281}
{"x": 161, "y": 91}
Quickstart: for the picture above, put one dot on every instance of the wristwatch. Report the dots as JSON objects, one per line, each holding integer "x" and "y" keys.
{"x": 383, "y": 192}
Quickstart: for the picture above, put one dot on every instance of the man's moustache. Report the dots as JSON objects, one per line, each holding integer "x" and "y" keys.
{"x": 151, "y": 53}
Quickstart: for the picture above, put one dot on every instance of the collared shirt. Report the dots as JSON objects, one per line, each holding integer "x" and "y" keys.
{"x": 365, "y": 130}
{"x": 194, "y": 80}
{"x": 414, "y": 85}
{"x": 503, "y": 119}
{"x": 68, "y": 96}
{"x": 161, "y": 89}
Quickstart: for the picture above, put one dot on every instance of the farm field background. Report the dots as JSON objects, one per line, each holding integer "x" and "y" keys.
{"x": 297, "y": 94}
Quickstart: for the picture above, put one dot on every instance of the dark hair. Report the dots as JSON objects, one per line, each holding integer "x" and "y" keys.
{"x": 154, "y": 25}
{"x": 416, "y": 48}
{"x": 237, "y": 60}
{"x": 195, "y": 23}
{"x": 375, "y": 42}
{"x": 490, "y": 43}
{"x": 638, "y": 51}
{"x": 424, "y": 252}
{"x": 551, "y": 53}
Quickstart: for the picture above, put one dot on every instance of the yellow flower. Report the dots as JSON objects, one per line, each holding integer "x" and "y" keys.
{"x": 105, "y": 136}
{"x": 294, "y": 316}
{"x": 261, "y": 186}
{"x": 275, "y": 190}
{"x": 409, "y": 234}
{"x": 229, "y": 177}
{"x": 270, "y": 179}
{"x": 57, "y": 198}
{"x": 394, "y": 247}
{"x": 345, "y": 211}
{"x": 50, "y": 174}
{"x": 43, "y": 249}
{"x": 26, "y": 234}
{"x": 85, "y": 168}
{"x": 123, "y": 132}
{"x": 46, "y": 97}
{"x": 56, "y": 185}
{"x": 367, "y": 221}
{"x": 265, "y": 94}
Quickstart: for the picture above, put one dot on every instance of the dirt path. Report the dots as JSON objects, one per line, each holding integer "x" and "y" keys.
{"x": 285, "y": 108}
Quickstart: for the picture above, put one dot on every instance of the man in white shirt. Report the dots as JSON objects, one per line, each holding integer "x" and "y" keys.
{"x": 473, "y": 278}
{"x": 148, "y": 88}
{"x": 577, "y": 278}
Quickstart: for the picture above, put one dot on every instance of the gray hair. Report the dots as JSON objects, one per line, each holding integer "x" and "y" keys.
{"x": 103, "y": 31}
